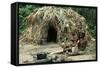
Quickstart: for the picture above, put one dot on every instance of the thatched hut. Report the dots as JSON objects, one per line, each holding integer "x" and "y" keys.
{"x": 53, "y": 24}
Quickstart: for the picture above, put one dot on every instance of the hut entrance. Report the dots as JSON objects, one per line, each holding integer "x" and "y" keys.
{"x": 52, "y": 34}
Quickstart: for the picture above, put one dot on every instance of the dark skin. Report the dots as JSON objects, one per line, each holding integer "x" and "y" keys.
{"x": 74, "y": 39}
{"x": 74, "y": 42}
{"x": 82, "y": 43}
{"x": 77, "y": 41}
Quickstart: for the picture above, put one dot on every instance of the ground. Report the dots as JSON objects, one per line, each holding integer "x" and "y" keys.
{"x": 27, "y": 53}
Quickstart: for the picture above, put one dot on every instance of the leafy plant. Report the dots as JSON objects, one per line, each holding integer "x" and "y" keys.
{"x": 88, "y": 13}
{"x": 25, "y": 10}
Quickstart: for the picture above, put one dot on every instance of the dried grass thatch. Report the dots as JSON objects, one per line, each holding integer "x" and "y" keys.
{"x": 37, "y": 24}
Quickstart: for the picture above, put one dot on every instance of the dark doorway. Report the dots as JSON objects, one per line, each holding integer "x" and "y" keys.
{"x": 52, "y": 34}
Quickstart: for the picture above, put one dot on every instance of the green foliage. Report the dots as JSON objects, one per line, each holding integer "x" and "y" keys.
{"x": 88, "y": 13}
{"x": 90, "y": 16}
{"x": 25, "y": 10}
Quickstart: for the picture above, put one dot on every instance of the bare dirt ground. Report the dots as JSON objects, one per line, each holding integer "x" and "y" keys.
{"x": 26, "y": 53}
